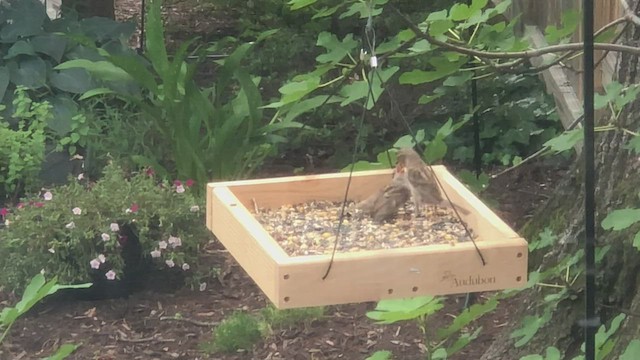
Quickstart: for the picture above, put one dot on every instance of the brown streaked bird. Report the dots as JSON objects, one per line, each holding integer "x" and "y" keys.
{"x": 422, "y": 182}
{"x": 383, "y": 205}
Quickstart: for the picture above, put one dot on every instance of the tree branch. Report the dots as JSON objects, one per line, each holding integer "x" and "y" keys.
{"x": 515, "y": 54}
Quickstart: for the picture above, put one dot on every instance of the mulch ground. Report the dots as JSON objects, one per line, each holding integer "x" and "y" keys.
{"x": 143, "y": 326}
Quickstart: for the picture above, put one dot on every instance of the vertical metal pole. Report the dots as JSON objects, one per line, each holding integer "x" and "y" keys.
{"x": 591, "y": 321}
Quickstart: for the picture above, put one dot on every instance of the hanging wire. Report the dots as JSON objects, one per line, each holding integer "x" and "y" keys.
{"x": 370, "y": 38}
{"x": 591, "y": 321}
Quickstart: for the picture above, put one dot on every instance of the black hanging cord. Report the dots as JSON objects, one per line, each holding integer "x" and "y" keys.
{"x": 591, "y": 322}
{"x": 371, "y": 41}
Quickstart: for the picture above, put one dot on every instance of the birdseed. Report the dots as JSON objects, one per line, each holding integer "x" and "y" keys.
{"x": 310, "y": 228}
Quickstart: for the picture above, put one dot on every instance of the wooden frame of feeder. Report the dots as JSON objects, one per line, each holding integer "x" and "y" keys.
{"x": 367, "y": 275}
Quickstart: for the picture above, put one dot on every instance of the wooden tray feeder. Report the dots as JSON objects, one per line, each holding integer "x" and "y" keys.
{"x": 367, "y": 275}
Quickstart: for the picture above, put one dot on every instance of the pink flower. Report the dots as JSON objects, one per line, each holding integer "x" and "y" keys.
{"x": 155, "y": 253}
{"x": 134, "y": 207}
{"x": 95, "y": 264}
{"x": 177, "y": 183}
{"x": 179, "y": 189}
{"x": 189, "y": 183}
{"x": 170, "y": 263}
{"x": 162, "y": 244}
{"x": 76, "y": 211}
{"x": 114, "y": 227}
{"x": 80, "y": 176}
{"x": 111, "y": 275}
{"x": 185, "y": 267}
{"x": 38, "y": 204}
{"x": 149, "y": 171}
{"x": 20, "y": 205}
{"x": 102, "y": 258}
{"x": 106, "y": 237}
{"x": 4, "y": 212}
{"x": 48, "y": 196}
{"x": 174, "y": 241}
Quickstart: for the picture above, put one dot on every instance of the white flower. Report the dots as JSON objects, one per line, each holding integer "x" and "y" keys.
{"x": 70, "y": 225}
{"x": 170, "y": 263}
{"x": 110, "y": 274}
{"x": 80, "y": 176}
{"x": 76, "y": 211}
{"x": 52, "y": 250}
{"x": 95, "y": 264}
{"x": 162, "y": 244}
{"x": 114, "y": 227}
{"x": 194, "y": 208}
{"x": 106, "y": 237}
{"x": 156, "y": 254}
{"x": 203, "y": 286}
{"x": 185, "y": 267}
{"x": 7, "y": 222}
{"x": 175, "y": 241}
{"x": 102, "y": 258}
{"x": 48, "y": 196}
{"x": 180, "y": 189}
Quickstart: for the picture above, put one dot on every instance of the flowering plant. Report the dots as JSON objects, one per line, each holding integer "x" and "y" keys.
{"x": 84, "y": 230}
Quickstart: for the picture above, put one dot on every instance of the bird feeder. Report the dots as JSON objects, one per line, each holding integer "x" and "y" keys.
{"x": 366, "y": 275}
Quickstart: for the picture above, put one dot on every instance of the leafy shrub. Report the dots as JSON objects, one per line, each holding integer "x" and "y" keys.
{"x": 81, "y": 231}
{"x": 22, "y": 146}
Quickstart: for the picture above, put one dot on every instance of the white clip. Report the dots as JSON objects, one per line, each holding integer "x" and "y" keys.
{"x": 373, "y": 61}
{"x": 362, "y": 54}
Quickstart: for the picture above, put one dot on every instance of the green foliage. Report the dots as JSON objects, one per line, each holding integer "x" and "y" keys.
{"x": 621, "y": 219}
{"x": 604, "y": 341}
{"x": 79, "y": 230}
{"x": 240, "y": 331}
{"x": 281, "y": 319}
{"x": 632, "y": 351}
{"x": 552, "y": 353}
{"x": 210, "y": 134}
{"x": 37, "y": 290}
{"x": 545, "y": 239}
{"x": 530, "y": 326}
{"x": 380, "y": 355}
{"x": 22, "y": 146}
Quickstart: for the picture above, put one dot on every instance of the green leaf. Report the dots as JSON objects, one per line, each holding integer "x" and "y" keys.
{"x": 621, "y": 219}
{"x": 5, "y": 78}
{"x": 135, "y": 67}
{"x": 30, "y": 73}
{"x": 63, "y": 352}
{"x": 570, "y": 20}
{"x": 53, "y": 45}
{"x": 19, "y": 48}
{"x": 565, "y": 141}
{"x": 391, "y": 311}
{"x": 530, "y": 326}
{"x": 435, "y": 150}
{"x": 325, "y": 12}
{"x": 299, "y": 4}
{"x": 632, "y": 352}
{"x": 294, "y": 91}
{"x": 63, "y": 109}
{"x": 444, "y": 67}
{"x": 336, "y": 49}
{"x": 104, "y": 70}
{"x": 545, "y": 239}
{"x": 156, "y": 50}
{"x": 473, "y": 313}
{"x": 96, "y": 92}
{"x": 75, "y": 80}
{"x": 380, "y": 355}
{"x": 532, "y": 357}
{"x": 463, "y": 341}
{"x": 476, "y": 184}
{"x": 363, "y": 165}
{"x": 360, "y": 89}
{"x": 16, "y": 26}
{"x": 362, "y": 7}
{"x": 439, "y": 354}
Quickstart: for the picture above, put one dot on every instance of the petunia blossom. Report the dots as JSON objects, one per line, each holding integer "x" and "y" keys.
{"x": 70, "y": 225}
{"x": 203, "y": 286}
{"x": 177, "y": 183}
{"x": 95, "y": 264}
{"x": 102, "y": 258}
{"x": 175, "y": 241}
{"x": 111, "y": 275}
{"x": 38, "y": 204}
{"x": 194, "y": 208}
{"x": 185, "y": 267}
{"x": 106, "y": 237}
{"x": 170, "y": 263}
{"x": 162, "y": 244}
{"x": 189, "y": 183}
{"x": 179, "y": 189}
{"x": 155, "y": 253}
{"x": 134, "y": 208}
{"x": 114, "y": 227}
{"x": 77, "y": 211}
{"x": 80, "y": 176}
{"x": 48, "y": 196}
{"x": 4, "y": 212}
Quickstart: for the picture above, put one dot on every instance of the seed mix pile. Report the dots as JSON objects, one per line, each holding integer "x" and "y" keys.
{"x": 310, "y": 228}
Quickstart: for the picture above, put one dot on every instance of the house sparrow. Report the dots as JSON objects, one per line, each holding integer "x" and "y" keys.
{"x": 422, "y": 182}
{"x": 383, "y": 205}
